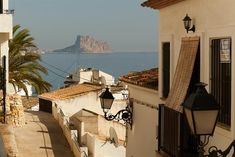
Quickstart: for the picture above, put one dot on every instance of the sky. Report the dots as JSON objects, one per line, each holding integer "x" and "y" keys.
{"x": 124, "y": 24}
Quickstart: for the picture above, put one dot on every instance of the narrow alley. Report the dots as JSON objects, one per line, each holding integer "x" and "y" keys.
{"x": 41, "y": 136}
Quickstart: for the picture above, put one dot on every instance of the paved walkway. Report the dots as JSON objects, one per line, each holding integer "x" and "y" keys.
{"x": 41, "y": 137}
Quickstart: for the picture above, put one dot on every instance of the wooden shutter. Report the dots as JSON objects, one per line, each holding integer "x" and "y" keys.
{"x": 166, "y": 69}
{"x": 1, "y": 6}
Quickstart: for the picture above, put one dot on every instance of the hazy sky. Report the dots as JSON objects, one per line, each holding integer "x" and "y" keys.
{"x": 124, "y": 24}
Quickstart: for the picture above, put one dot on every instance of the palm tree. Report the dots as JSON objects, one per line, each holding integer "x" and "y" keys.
{"x": 24, "y": 66}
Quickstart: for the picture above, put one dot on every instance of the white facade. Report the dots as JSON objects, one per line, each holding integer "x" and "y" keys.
{"x": 89, "y": 101}
{"x": 142, "y": 137}
{"x": 100, "y": 150}
{"x": 213, "y": 19}
{"x": 92, "y": 75}
{"x": 6, "y": 24}
{"x": 80, "y": 106}
{"x": 89, "y": 133}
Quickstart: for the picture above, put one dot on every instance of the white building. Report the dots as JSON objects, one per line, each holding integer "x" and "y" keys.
{"x": 94, "y": 132}
{"x": 143, "y": 92}
{"x": 187, "y": 57}
{"x": 6, "y": 24}
{"x": 82, "y": 96}
{"x": 90, "y": 75}
{"x": 80, "y": 104}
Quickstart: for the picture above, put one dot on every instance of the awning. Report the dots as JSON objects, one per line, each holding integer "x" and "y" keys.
{"x": 158, "y": 4}
{"x": 183, "y": 73}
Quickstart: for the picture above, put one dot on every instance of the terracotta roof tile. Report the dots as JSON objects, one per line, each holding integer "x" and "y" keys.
{"x": 70, "y": 92}
{"x": 159, "y": 4}
{"x": 146, "y": 78}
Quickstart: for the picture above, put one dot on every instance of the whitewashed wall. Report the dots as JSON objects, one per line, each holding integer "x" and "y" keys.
{"x": 89, "y": 101}
{"x": 212, "y": 19}
{"x": 98, "y": 149}
{"x": 71, "y": 135}
{"x": 104, "y": 126}
{"x": 80, "y": 141}
{"x": 86, "y": 76}
{"x": 5, "y": 4}
{"x": 108, "y": 78}
{"x": 141, "y": 139}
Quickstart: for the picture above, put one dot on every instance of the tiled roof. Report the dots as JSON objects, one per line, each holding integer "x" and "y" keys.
{"x": 69, "y": 92}
{"x": 147, "y": 78}
{"x": 159, "y": 4}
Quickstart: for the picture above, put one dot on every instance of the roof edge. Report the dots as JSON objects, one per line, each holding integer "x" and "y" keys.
{"x": 159, "y": 4}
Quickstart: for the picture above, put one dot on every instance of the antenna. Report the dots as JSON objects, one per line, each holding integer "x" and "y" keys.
{"x": 113, "y": 139}
{"x": 113, "y": 136}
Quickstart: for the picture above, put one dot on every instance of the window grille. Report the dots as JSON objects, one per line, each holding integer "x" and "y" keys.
{"x": 221, "y": 77}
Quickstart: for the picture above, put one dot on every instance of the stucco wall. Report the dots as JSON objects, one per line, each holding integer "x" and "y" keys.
{"x": 141, "y": 139}
{"x": 108, "y": 78}
{"x": 89, "y": 101}
{"x": 6, "y": 25}
{"x": 86, "y": 76}
{"x": 212, "y": 19}
{"x": 104, "y": 126}
{"x": 5, "y": 4}
{"x": 98, "y": 149}
{"x": 71, "y": 135}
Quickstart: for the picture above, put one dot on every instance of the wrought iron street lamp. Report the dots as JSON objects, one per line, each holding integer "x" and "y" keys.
{"x": 106, "y": 101}
{"x": 201, "y": 111}
{"x": 187, "y": 24}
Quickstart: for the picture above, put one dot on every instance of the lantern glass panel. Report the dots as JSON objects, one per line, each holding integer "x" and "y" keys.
{"x": 189, "y": 118}
{"x": 106, "y": 103}
{"x": 205, "y": 121}
{"x": 187, "y": 24}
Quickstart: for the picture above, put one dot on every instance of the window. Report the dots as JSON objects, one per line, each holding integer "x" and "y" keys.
{"x": 174, "y": 135}
{"x": 166, "y": 68}
{"x": 221, "y": 77}
{"x": 1, "y": 6}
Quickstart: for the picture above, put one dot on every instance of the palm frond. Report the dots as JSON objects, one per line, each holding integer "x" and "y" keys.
{"x": 25, "y": 67}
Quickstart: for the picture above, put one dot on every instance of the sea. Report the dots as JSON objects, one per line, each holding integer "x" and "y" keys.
{"x": 60, "y": 65}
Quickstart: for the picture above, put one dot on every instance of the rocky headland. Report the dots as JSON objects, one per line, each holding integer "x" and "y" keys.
{"x": 87, "y": 44}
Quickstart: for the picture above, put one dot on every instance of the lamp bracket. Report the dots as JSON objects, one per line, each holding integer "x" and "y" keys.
{"x": 125, "y": 115}
{"x": 192, "y": 29}
{"x": 213, "y": 151}
{"x": 202, "y": 144}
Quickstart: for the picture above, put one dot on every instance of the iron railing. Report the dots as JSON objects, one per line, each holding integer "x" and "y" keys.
{"x": 169, "y": 133}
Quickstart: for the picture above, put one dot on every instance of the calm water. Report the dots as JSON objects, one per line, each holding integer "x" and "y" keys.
{"x": 116, "y": 64}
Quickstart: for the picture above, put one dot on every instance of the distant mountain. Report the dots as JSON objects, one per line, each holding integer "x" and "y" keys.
{"x": 87, "y": 44}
